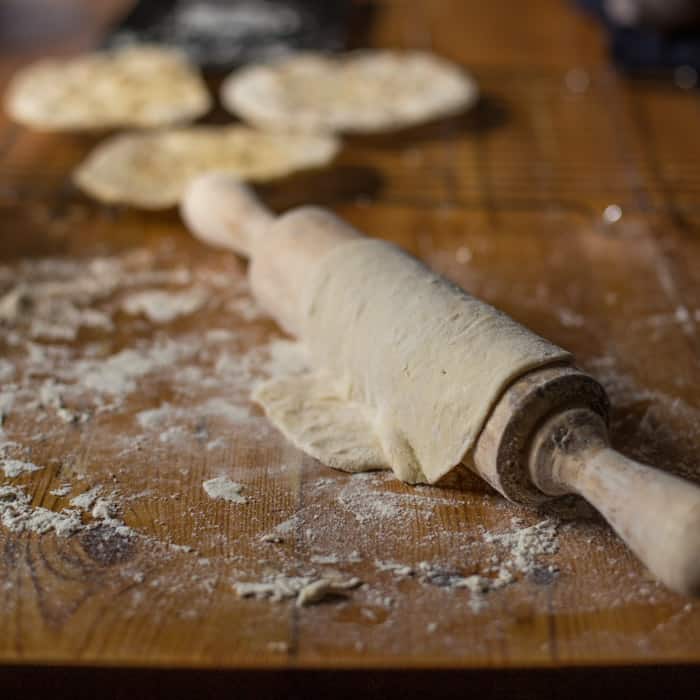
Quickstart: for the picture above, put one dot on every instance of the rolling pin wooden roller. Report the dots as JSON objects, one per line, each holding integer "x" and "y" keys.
{"x": 545, "y": 432}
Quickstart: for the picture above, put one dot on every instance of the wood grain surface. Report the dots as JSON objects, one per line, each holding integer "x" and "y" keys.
{"x": 569, "y": 198}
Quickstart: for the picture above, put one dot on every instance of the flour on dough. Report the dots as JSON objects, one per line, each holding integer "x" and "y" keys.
{"x": 410, "y": 365}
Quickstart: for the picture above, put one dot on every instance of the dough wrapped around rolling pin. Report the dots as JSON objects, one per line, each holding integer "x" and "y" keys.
{"x": 413, "y": 374}
{"x": 408, "y": 365}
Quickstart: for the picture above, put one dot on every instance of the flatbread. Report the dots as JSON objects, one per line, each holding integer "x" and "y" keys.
{"x": 365, "y": 91}
{"x": 151, "y": 169}
{"x": 129, "y": 87}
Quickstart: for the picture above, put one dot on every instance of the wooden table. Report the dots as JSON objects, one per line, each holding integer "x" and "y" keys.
{"x": 570, "y": 198}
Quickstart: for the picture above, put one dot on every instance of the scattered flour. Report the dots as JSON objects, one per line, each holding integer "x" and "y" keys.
{"x": 7, "y": 370}
{"x": 51, "y": 396}
{"x": 105, "y": 511}
{"x": 15, "y": 467}
{"x": 175, "y": 433}
{"x": 7, "y": 446}
{"x": 224, "y": 409}
{"x": 278, "y": 357}
{"x": 85, "y": 500}
{"x": 154, "y": 418}
{"x": 400, "y": 570}
{"x": 215, "y": 444}
{"x": 18, "y": 515}
{"x": 105, "y": 508}
{"x": 287, "y": 527}
{"x": 522, "y": 549}
{"x": 51, "y": 297}
{"x": 169, "y": 421}
{"x": 117, "y": 375}
{"x": 7, "y": 399}
{"x": 49, "y": 301}
{"x": 369, "y": 506}
{"x": 61, "y": 491}
{"x": 325, "y": 559}
{"x": 524, "y": 546}
{"x": 222, "y": 488}
{"x": 570, "y": 318}
{"x": 161, "y": 306}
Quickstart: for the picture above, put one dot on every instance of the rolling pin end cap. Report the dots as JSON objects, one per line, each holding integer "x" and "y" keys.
{"x": 504, "y": 455}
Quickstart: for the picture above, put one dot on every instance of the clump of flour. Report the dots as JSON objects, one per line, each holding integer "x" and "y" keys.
{"x": 18, "y": 515}
{"x": 525, "y": 545}
{"x": 85, "y": 500}
{"x": 15, "y": 467}
{"x": 7, "y": 370}
{"x": 161, "y": 306}
{"x": 222, "y": 488}
{"x": 61, "y": 491}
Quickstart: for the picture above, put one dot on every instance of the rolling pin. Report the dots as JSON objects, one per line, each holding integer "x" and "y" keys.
{"x": 547, "y": 434}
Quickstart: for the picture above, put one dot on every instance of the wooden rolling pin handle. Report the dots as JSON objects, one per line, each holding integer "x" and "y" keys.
{"x": 284, "y": 251}
{"x": 225, "y": 213}
{"x": 655, "y": 513}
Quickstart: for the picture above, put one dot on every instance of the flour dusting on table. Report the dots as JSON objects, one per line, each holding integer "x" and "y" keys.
{"x": 119, "y": 374}
{"x": 162, "y": 307}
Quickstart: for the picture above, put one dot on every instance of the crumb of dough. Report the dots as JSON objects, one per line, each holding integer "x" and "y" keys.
{"x": 306, "y": 590}
{"x": 317, "y": 591}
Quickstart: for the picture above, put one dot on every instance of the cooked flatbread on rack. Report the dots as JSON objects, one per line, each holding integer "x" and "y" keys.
{"x": 130, "y": 87}
{"x": 150, "y": 169}
{"x": 363, "y": 91}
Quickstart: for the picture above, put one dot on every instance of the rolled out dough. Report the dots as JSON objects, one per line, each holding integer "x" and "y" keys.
{"x": 409, "y": 365}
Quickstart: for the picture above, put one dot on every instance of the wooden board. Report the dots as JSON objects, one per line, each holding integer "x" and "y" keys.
{"x": 510, "y": 201}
